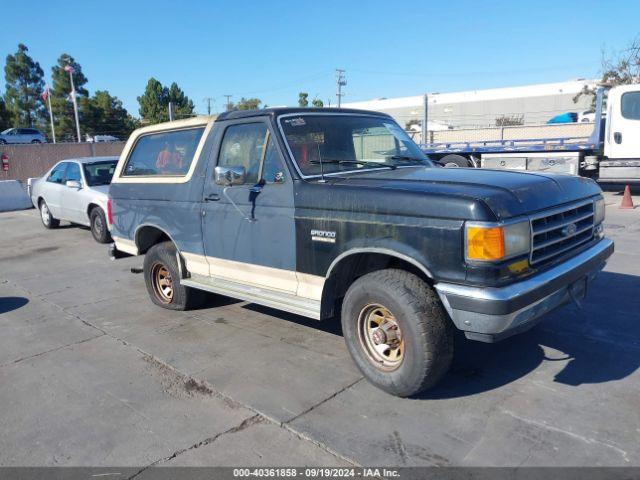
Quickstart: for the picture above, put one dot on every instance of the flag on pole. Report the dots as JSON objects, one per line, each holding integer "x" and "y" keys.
{"x": 45, "y": 94}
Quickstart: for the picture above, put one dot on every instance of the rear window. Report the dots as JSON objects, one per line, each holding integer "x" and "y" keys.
{"x": 163, "y": 154}
{"x": 631, "y": 105}
{"x": 99, "y": 173}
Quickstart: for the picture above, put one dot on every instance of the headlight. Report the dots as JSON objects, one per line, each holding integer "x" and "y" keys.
{"x": 598, "y": 211}
{"x": 495, "y": 242}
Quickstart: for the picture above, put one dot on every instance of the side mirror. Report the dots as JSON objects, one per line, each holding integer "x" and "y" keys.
{"x": 228, "y": 176}
{"x": 74, "y": 184}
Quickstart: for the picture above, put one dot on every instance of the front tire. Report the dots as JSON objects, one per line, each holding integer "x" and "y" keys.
{"x": 47, "y": 218}
{"x": 162, "y": 279}
{"x": 397, "y": 331}
{"x": 99, "y": 228}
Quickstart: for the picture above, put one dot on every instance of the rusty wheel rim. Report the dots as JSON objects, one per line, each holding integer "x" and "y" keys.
{"x": 380, "y": 336}
{"x": 162, "y": 283}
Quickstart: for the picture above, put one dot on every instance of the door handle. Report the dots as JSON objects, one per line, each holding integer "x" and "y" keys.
{"x": 617, "y": 137}
{"x": 212, "y": 197}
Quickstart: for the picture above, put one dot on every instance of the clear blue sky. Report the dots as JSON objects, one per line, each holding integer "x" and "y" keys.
{"x": 274, "y": 49}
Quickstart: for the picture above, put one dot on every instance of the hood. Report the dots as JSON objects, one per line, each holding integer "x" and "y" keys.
{"x": 507, "y": 193}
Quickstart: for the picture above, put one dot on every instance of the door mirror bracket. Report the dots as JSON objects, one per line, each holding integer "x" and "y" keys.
{"x": 73, "y": 184}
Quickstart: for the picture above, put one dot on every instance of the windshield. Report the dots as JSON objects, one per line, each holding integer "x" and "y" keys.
{"x": 4, "y": 132}
{"x": 99, "y": 173}
{"x": 323, "y": 144}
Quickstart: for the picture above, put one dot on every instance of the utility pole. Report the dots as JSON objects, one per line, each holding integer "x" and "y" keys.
{"x": 228, "y": 101}
{"x": 71, "y": 71}
{"x": 208, "y": 100}
{"x": 425, "y": 119}
{"x": 341, "y": 81}
{"x": 171, "y": 111}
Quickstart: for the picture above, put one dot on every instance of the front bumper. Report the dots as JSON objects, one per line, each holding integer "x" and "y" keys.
{"x": 491, "y": 314}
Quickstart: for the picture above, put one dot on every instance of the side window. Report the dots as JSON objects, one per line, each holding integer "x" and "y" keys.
{"x": 73, "y": 172}
{"x": 57, "y": 174}
{"x": 631, "y": 105}
{"x": 243, "y": 146}
{"x": 273, "y": 170}
{"x": 163, "y": 153}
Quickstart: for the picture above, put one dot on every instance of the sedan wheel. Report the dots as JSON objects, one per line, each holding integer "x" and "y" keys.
{"x": 45, "y": 215}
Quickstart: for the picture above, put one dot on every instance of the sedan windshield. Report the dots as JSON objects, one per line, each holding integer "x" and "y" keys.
{"x": 99, "y": 173}
{"x": 327, "y": 143}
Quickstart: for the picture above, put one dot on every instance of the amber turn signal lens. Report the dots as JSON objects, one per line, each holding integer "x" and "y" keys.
{"x": 485, "y": 243}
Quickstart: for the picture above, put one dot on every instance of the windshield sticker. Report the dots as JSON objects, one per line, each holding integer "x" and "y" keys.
{"x": 295, "y": 122}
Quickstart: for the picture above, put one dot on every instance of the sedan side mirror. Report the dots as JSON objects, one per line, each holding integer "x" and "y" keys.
{"x": 228, "y": 176}
{"x": 74, "y": 184}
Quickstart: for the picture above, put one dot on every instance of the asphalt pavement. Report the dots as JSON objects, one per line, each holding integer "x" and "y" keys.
{"x": 93, "y": 374}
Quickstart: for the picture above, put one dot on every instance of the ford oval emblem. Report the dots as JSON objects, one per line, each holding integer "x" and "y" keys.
{"x": 569, "y": 230}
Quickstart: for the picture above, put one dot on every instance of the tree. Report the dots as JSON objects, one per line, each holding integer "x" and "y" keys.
{"x": 61, "y": 103}
{"x": 303, "y": 99}
{"x": 411, "y": 123}
{"x": 5, "y": 120}
{"x": 317, "y": 103}
{"x": 24, "y": 85}
{"x": 181, "y": 105}
{"x": 154, "y": 103}
{"x": 622, "y": 68}
{"x": 247, "y": 104}
{"x": 105, "y": 115}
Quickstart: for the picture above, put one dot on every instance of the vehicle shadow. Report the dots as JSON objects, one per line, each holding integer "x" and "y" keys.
{"x": 598, "y": 344}
{"x": 8, "y": 304}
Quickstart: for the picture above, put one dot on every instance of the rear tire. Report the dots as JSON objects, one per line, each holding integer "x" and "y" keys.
{"x": 454, "y": 161}
{"x": 45, "y": 215}
{"x": 162, "y": 279}
{"x": 413, "y": 346}
{"x": 36, "y": 141}
{"x": 99, "y": 228}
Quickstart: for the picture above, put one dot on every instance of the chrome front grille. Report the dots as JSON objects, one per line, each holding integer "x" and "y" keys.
{"x": 557, "y": 231}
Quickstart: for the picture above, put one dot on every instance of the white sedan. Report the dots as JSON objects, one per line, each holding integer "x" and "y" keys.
{"x": 76, "y": 190}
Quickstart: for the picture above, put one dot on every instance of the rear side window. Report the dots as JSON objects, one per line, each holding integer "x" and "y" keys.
{"x": 631, "y": 105}
{"x": 99, "y": 173}
{"x": 165, "y": 154}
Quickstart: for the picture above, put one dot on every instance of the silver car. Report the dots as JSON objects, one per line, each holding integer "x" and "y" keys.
{"x": 22, "y": 135}
{"x": 76, "y": 190}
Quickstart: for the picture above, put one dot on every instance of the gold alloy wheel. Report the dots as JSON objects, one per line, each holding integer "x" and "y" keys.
{"x": 162, "y": 283}
{"x": 380, "y": 336}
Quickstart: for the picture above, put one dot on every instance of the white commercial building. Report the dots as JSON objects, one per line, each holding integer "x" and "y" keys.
{"x": 531, "y": 104}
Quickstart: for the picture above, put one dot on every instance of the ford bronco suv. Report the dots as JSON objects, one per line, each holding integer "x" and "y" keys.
{"x": 333, "y": 213}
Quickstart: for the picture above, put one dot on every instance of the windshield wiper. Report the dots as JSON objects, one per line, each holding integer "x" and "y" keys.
{"x": 353, "y": 162}
{"x": 406, "y": 157}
